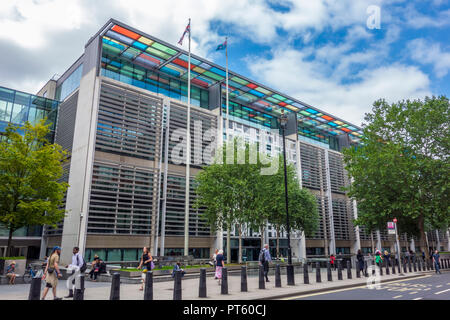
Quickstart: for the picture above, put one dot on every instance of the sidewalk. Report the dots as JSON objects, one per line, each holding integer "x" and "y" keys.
{"x": 164, "y": 290}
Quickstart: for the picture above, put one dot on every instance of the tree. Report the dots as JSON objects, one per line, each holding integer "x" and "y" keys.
{"x": 225, "y": 191}
{"x": 303, "y": 213}
{"x": 401, "y": 168}
{"x": 238, "y": 194}
{"x": 30, "y": 170}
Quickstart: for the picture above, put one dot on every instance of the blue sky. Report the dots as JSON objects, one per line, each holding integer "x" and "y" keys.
{"x": 320, "y": 51}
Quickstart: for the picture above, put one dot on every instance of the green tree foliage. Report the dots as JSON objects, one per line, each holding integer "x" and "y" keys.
{"x": 238, "y": 194}
{"x": 303, "y": 213}
{"x": 30, "y": 170}
{"x": 401, "y": 168}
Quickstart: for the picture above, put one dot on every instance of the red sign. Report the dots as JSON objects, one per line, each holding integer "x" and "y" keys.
{"x": 395, "y": 220}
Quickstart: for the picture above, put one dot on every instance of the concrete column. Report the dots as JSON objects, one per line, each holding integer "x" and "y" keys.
{"x": 357, "y": 243}
{"x": 448, "y": 240}
{"x": 378, "y": 240}
{"x": 44, "y": 242}
{"x": 412, "y": 245}
{"x": 332, "y": 242}
{"x": 300, "y": 247}
{"x": 438, "y": 241}
{"x": 77, "y": 203}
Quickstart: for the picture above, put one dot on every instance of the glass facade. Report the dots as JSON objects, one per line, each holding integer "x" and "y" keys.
{"x": 70, "y": 84}
{"x": 250, "y": 116}
{"x": 120, "y": 69}
{"x": 18, "y": 107}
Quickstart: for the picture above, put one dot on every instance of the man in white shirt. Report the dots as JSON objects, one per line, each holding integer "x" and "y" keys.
{"x": 77, "y": 264}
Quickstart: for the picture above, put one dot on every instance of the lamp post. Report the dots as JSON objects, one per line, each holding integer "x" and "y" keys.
{"x": 290, "y": 267}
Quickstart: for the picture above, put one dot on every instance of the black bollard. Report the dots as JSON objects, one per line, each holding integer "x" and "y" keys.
{"x": 290, "y": 275}
{"x": 409, "y": 264}
{"x": 393, "y": 265}
{"x": 386, "y": 263}
{"x": 380, "y": 266}
{"x": 305, "y": 274}
{"x": 349, "y": 270}
{"x": 339, "y": 270}
{"x": 177, "y": 285}
{"x": 405, "y": 270}
{"x": 399, "y": 268}
{"x": 372, "y": 263}
{"x": 366, "y": 274}
{"x": 329, "y": 275}
{"x": 202, "y": 284}
{"x": 262, "y": 284}
{"x": 277, "y": 276}
{"x": 419, "y": 265}
{"x": 431, "y": 265}
{"x": 244, "y": 279}
{"x": 415, "y": 264}
{"x": 115, "y": 287}
{"x": 358, "y": 271}
{"x": 35, "y": 289}
{"x": 148, "y": 291}
{"x": 224, "y": 287}
{"x": 318, "y": 275}
{"x": 79, "y": 288}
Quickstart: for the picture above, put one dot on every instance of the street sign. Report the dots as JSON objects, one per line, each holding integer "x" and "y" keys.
{"x": 391, "y": 231}
{"x": 395, "y": 220}
{"x": 390, "y": 225}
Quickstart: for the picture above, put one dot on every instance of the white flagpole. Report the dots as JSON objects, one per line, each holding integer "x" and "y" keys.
{"x": 226, "y": 55}
{"x": 188, "y": 153}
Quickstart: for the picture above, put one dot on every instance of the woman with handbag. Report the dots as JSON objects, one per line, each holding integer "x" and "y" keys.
{"x": 52, "y": 273}
{"x": 146, "y": 264}
{"x": 219, "y": 265}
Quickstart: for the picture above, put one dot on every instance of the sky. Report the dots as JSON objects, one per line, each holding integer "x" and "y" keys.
{"x": 339, "y": 56}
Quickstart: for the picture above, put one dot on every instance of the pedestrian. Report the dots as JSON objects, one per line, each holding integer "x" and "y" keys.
{"x": 437, "y": 261}
{"x": 407, "y": 256}
{"x": 11, "y": 272}
{"x": 219, "y": 265}
{"x": 360, "y": 258}
{"x": 333, "y": 261}
{"x": 78, "y": 264}
{"x": 177, "y": 267}
{"x": 52, "y": 273}
{"x": 146, "y": 264}
{"x": 95, "y": 268}
{"x": 264, "y": 259}
{"x": 423, "y": 256}
{"x": 386, "y": 257}
{"x": 213, "y": 261}
{"x": 378, "y": 258}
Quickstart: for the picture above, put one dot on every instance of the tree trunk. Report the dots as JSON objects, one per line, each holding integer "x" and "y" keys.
{"x": 262, "y": 237}
{"x": 9, "y": 246}
{"x": 240, "y": 244}
{"x": 228, "y": 244}
{"x": 278, "y": 241}
{"x": 422, "y": 236}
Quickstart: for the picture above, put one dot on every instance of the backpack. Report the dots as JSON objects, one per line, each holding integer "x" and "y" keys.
{"x": 84, "y": 266}
{"x": 262, "y": 256}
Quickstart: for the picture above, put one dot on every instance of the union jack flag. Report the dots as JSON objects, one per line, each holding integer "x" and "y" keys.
{"x": 188, "y": 29}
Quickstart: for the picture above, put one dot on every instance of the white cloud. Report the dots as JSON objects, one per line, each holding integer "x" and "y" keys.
{"x": 289, "y": 71}
{"x": 427, "y": 52}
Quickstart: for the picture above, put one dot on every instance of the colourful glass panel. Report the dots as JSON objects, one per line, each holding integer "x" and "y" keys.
{"x": 277, "y": 96}
{"x": 163, "y": 48}
{"x": 126, "y": 32}
{"x": 251, "y": 85}
{"x": 213, "y": 75}
{"x": 266, "y": 92}
{"x": 239, "y": 80}
{"x": 139, "y": 45}
{"x": 158, "y": 53}
{"x": 147, "y": 57}
{"x": 146, "y": 41}
{"x": 327, "y": 118}
{"x": 311, "y": 111}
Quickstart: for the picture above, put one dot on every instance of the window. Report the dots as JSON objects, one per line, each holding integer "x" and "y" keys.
{"x": 70, "y": 84}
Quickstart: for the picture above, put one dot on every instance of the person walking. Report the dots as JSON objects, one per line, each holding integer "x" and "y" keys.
{"x": 333, "y": 262}
{"x": 264, "y": 260}
{"x": 78, "y": 263}
{"x": 145, "y": 264}
{"x": 378, "y": 259}
{"x": 436, "y": 261}
{"x": 360, "y": 258}
{"x": 386, "y": 257}
{"x": 52, "y": 273}
{"x": 219, "y": 265}
{"x": 214, "y": 260}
